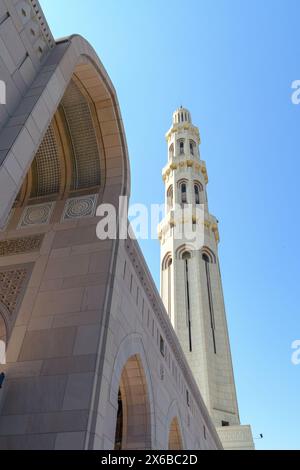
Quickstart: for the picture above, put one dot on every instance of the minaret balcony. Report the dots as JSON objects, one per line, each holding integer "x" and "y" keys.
{"x": 184, "y": 128}
{"x": 182, "y": 162}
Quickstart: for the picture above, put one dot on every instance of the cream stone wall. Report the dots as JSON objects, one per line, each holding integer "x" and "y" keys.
{"x": 137, "y": 324}
{"x": 82, "y": 316}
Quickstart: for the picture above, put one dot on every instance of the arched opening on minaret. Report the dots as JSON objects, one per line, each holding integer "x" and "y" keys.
{"x": 170, "y": 196}
{"x": 192, "y": 147}
{"x": 133, "y": 424}
{"x": 197, "y": 194}
{"x": 166, "y": 270}
{"x": 175, "y": 438}
{"x": 183, "y": 192}
{"x": 186, "y": 256}
{"x": 208, "y": 257}
{"x": 181, "y": 146}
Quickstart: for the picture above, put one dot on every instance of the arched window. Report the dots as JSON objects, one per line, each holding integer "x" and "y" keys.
{"x": 186, "y": 256}
{"x": 170, "y": 198}
{"x": 181, "y": 147}
{"x": 208, "y": 255}
{"x": 183, "y": 193}
{"x": 207, "y": 260}
{"x": 167, "y": 282}
{"x": 171, "y": 151}
{"x": 198, "y": 188}
{"x": 192, "y": 147}
{"x": 197, "y": 195}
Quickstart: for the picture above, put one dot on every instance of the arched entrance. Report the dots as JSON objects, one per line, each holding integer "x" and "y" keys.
{"x": 175, "y": 439}
{"x": 133, "y": 427}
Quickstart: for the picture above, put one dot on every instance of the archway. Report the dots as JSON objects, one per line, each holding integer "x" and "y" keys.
{"x": 175, "y": 439}
{"x": 133, "y": 427}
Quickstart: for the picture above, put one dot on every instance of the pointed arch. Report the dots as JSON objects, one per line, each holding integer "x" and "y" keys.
{"x": 81, "y": 67}
{"x": 70, "y": 158}
{"x": 170, "y": 197}
{"x": 180, "y": 144}
{"x": 175, "y": 436}
{"x": 167, "y": 261}
{"x": 133, "y": 427}
{"x": 175, "y": 439}
{"x": 166, "y": 281}
{"x": 198, "y": 192}
{"x": 208, "y": 258}
{"x": 183, "y": 249}
{"x": 193, "y": 147}
{"x": 131, "y": 389}
{"x": 208, "y": 255}
{"x": 171, "y": 151}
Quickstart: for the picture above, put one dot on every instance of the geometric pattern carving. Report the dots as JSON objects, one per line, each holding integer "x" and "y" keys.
{"x": 16, "y": 246}
{"x": 45, "y": 167}
{"x": 84, "y": 206}
{"x": 86, "y": 161}
{"x": 11, "y": 284}
{"x": 38, "y": 214}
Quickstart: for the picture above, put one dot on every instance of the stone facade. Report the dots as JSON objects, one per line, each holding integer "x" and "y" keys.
{"x": 93, "y": 361}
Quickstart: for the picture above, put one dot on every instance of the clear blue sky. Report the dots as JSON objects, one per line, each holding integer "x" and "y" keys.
{"x": 231, "y": 62}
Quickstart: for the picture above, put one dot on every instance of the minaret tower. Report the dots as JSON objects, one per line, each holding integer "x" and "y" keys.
{"x": 191, "y": 286}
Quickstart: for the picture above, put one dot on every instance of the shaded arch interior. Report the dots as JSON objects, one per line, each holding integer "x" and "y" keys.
{"x": 208, "y": 255}
{"x": 70, "y": 157}
{"x": 133, "y": 427}
{"x": 175, "y": 438}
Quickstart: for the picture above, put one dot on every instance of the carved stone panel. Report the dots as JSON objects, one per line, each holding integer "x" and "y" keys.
{"x": 77, "y": 207}
{"x": 16, "y": 246}
{"x": 38, "y": 214}
{"x": 13, "y": 282}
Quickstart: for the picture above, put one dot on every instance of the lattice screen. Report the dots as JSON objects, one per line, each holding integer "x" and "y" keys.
{"x": 45, "y": 167}
{"x": 86, "y": 165}
{"x": 11, "y": 284}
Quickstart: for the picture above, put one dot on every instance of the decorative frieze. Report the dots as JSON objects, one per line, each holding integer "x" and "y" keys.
{"x": 16, "y": 246}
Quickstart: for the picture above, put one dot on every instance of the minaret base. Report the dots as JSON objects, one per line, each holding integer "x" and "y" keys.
{"x": 236, "y": 437}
